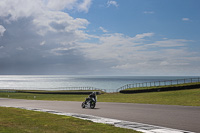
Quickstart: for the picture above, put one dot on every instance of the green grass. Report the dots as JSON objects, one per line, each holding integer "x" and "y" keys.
{"x": 56, "y": 97}
{"x": 14, "y": 120}
{"x": 182, "y": 97}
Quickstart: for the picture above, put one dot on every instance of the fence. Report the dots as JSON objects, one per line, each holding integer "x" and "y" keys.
{"x": 136, "y": 85}
{"x": 110, "y": 90}
{"x": 160, "y": 83}
{"x": 59, "y": 88}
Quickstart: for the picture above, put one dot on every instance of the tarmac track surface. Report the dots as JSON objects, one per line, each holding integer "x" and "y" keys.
{"x": 177, "y": 117}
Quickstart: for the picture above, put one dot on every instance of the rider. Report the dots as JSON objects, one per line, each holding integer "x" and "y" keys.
{"x": 92, "y": 96}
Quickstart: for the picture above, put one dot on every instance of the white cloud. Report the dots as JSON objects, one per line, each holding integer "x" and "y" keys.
{"x": 102, "y": 29}
{"x": 42, "y": 43}
{"x": 58, "y": 22}
{"x": 113, "y": 3}
{"x": 115, "y": 46}
{"x": 62, "y": 50}
{"x": 185, "y": 19}
{"x": 170, "y": 43}
{"x": 134, "y": 54}
{"x": 2, "y": 30}
{"x": 43, "y": 16}
{"x": 61, "y": 4}
{"x": 164, "y": 63}
{"x": 85, "y": 5}
{"x": 12, "y": 10}
{"x": 143, "y": 35}
{"x": 148, "y": 12}
{"x": 80, "y": 5}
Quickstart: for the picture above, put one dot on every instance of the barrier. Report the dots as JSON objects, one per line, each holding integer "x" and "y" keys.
{"x": 159, "y": 83}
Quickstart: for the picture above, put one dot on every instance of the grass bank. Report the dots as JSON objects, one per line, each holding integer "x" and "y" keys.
{"x": 181, "y": 97}
{"x": 14, "y": 120}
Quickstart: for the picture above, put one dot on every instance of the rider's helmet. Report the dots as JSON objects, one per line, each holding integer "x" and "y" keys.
{"x": 93, "y": 94}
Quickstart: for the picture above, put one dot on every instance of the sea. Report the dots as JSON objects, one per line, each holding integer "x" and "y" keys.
{"x": 58, "y": 82}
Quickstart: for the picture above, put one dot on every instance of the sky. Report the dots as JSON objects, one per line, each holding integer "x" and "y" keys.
{"x": 100, "y": 37}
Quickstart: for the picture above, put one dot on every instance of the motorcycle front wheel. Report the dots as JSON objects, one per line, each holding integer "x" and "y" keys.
{"x": 92, "y": 105}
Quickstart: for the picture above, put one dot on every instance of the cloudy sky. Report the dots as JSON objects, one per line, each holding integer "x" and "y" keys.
{"x": 100, "y": 37}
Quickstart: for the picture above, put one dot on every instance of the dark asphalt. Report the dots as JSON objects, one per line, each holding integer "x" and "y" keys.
{"x": 177, "y": 117}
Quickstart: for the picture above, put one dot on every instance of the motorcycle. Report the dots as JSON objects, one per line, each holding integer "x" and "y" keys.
{"x": 89, "y": 103}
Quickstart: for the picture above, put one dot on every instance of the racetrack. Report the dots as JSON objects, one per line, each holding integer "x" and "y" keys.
{"x": 177, "y": 117}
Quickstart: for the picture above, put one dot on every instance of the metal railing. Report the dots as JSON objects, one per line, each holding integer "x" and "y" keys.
{"x": 59, "y": 88}
{"x": 127, "y": 86}
{"x": 159, "y": 83}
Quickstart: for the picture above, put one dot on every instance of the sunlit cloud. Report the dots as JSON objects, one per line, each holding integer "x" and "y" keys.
{"x": 113, "y": 3}
{"x": 85, "y": 5}
{"x": 185, "y": 19}
{"x": 2, "y": 30}
{"x": 135, "y": 53}
{"x": 148, "y": 12}
{"x": 103, "y": 30}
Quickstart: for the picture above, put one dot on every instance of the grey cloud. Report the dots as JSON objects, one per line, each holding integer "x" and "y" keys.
{"x": 57, "y": 26}
{"x": 21, "y": 52}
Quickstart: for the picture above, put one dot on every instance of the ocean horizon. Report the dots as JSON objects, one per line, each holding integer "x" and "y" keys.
{"x": 56, "y": 82}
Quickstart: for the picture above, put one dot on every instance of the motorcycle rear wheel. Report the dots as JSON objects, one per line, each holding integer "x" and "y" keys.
{"x": 83, "y": 105}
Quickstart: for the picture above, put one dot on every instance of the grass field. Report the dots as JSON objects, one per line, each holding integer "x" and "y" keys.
{"x": 182, "y": 97}
{"x": 14, "y": 120}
